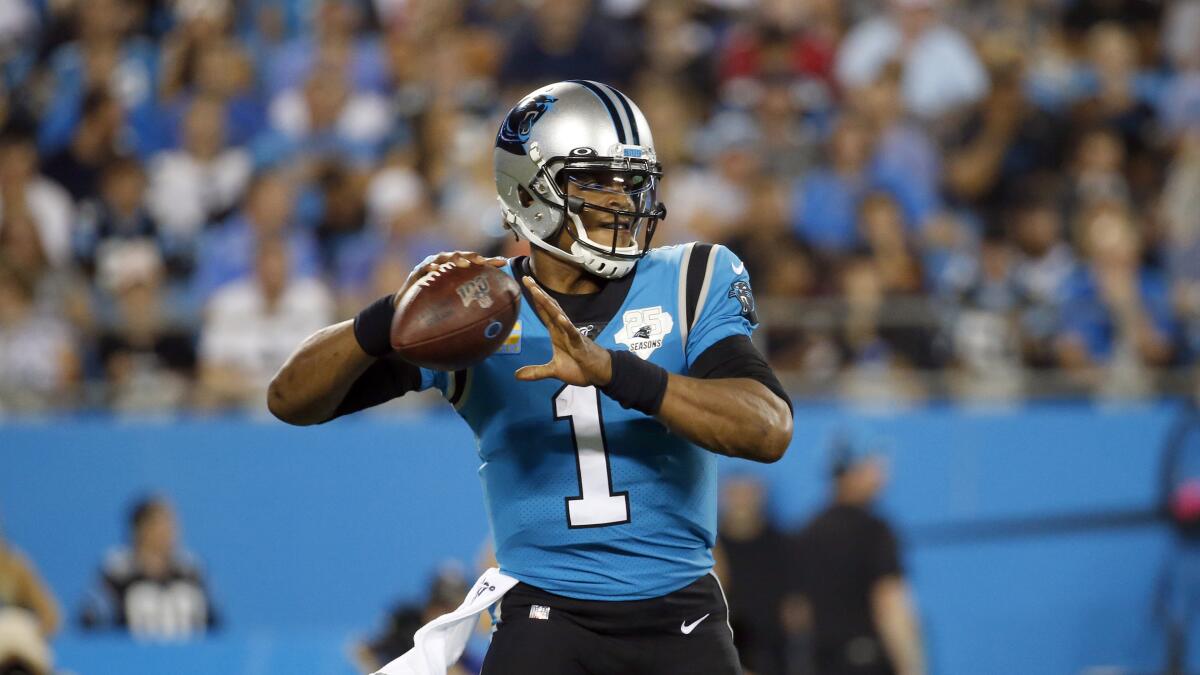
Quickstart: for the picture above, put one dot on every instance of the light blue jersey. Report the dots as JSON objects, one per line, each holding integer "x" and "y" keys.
{"x": 587, "y": 499}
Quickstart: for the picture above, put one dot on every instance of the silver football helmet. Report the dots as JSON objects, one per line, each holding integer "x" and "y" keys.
{"x": 587, "y": 136}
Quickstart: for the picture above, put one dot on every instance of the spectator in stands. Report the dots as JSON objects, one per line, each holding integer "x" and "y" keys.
{"x": 201, "y": 182}
{"x": 791, "y": 122}
{"x": 906, "y": 159}
{"x": 1096, "y": 172}
{"x": 120, "y": 216}
{"x": 677, "y": 46}
{"x": 850, "y": 575}
{"x": 673, "y": 112}
{"x": 148, "y": 355}
{"x": 784, "y": 268}
{"x": 334, "y": 38}
{"x": 711, "y": 198}
{"x": 565, "y": 39}
{"x": 326, "y": 119}
{"x": 467, "y": 194}
{"x": 1044, "y": 265}
{"x": 1117, "y": 312}
{"x": 878, "y": 358}
{"x": 198, "y": 26}
{"x": 95, "y": 144}
{"x": 226, "y": 252}
{"x": 151, "y": 588}
{"x": 985, "y": 322}
{"x": 18, "y": 35}
{"x": 882, "y": 229}
{"x": 252, "y": 325}
{"x": 205, "y": 61}
{"x": 1119, "y": 101}
{"x": 754, "y": 577}
{"x": 1002, "y": 143}
{"x": 1141, "y": 15}
{"x": 786, "y": 40}
{"x": 343, "y": 193}
{"x": 827, "y": 198}
{"x": 1181, "y": 209}
{"x": 1181, "y": 98}
{"x": 39, "y": 361}
{"x": 103, "y": 56}
{"x": 402, "y": 232}
{"x": 23, "y": 189}
{"x": 57, "y": 290}
{"x": 940, "y": 71}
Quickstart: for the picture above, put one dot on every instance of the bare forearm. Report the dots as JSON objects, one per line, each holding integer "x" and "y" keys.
{"x": 316, "y": 377}
{"x": 971, "y": 171}
{"x": 897, "y": 626}
{"x": 738, "y": 417}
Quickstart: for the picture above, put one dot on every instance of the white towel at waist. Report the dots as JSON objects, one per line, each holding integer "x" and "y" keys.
{"x": 439, "y": 643}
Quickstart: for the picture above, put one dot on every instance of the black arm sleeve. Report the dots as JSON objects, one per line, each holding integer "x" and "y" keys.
{"x": 736, "y": 356}
{"x": 388, "y": 378}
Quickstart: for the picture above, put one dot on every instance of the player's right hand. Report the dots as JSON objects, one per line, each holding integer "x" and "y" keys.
{"x": 460, "y": 258}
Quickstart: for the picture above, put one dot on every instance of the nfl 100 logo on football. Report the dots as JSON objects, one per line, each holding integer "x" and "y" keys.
{"x": 475, "y": 290}
{"x": 644, "y": 329}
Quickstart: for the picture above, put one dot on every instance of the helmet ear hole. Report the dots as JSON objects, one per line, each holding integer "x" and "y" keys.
{"x": 524, "y": 196}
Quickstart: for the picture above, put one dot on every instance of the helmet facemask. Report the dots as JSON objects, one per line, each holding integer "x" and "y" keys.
{"x": 617, "y": 193}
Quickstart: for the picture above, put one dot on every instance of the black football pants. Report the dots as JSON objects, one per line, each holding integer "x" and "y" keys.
{"x": 685, "y": 632}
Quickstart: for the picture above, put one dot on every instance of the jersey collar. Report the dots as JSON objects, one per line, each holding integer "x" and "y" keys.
{"x": 589, "y": 309}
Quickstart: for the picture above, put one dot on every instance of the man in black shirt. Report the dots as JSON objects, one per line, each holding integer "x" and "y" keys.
{"x": 151, "y": 589}
{"x": 77, "y": 166}
{"x": 750, "y": 544}
{"x": 849, "y": 572}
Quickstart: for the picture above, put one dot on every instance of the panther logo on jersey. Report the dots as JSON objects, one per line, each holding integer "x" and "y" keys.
{"x": 741, "y": 290}
{"x": 519, "y": 123}
{"x": 475, "y": 290}
{"x": 643, "y": 330}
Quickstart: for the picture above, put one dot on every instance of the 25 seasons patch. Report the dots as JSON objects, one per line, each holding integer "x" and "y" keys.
{"x": 643, "y": 330}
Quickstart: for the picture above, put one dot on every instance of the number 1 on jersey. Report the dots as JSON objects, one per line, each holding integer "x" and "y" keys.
{"x": 597, "y": 505}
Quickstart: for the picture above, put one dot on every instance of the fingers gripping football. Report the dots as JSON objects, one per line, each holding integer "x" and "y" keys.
{"x": 433, "y": 262}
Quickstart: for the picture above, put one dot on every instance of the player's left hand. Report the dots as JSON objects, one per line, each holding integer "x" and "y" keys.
{"x": 576, "y": 360}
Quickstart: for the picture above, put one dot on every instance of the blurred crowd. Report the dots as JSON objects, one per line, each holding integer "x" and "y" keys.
{"x": 984, "y": 189}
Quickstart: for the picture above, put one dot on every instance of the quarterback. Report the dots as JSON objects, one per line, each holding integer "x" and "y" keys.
{"x": 599, "y": 420}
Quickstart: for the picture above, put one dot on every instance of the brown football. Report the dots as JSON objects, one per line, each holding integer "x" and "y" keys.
{"x": 455, "y": 317}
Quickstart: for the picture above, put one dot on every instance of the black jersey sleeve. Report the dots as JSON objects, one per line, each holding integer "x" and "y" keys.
{"x": 388, "y": 378}
{"x": 736, "y": 356}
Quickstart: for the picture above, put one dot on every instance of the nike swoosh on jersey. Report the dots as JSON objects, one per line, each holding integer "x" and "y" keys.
{"x": 686, "y": 628}
{"x": 738, "y": 267}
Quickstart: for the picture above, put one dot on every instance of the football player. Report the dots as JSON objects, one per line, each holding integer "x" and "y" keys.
{"x": 599, "y": 420}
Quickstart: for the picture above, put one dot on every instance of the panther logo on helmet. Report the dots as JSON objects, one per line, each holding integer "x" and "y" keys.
{"x": 515, "y": 130}
{"x": 563, "y": 142}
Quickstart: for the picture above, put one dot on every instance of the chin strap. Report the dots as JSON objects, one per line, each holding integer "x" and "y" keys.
{"x": 601, "y": 267}
{"x": 594, "y": 263}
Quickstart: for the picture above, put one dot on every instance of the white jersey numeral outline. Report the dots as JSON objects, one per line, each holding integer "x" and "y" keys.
{"x": 596, "y": 505}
